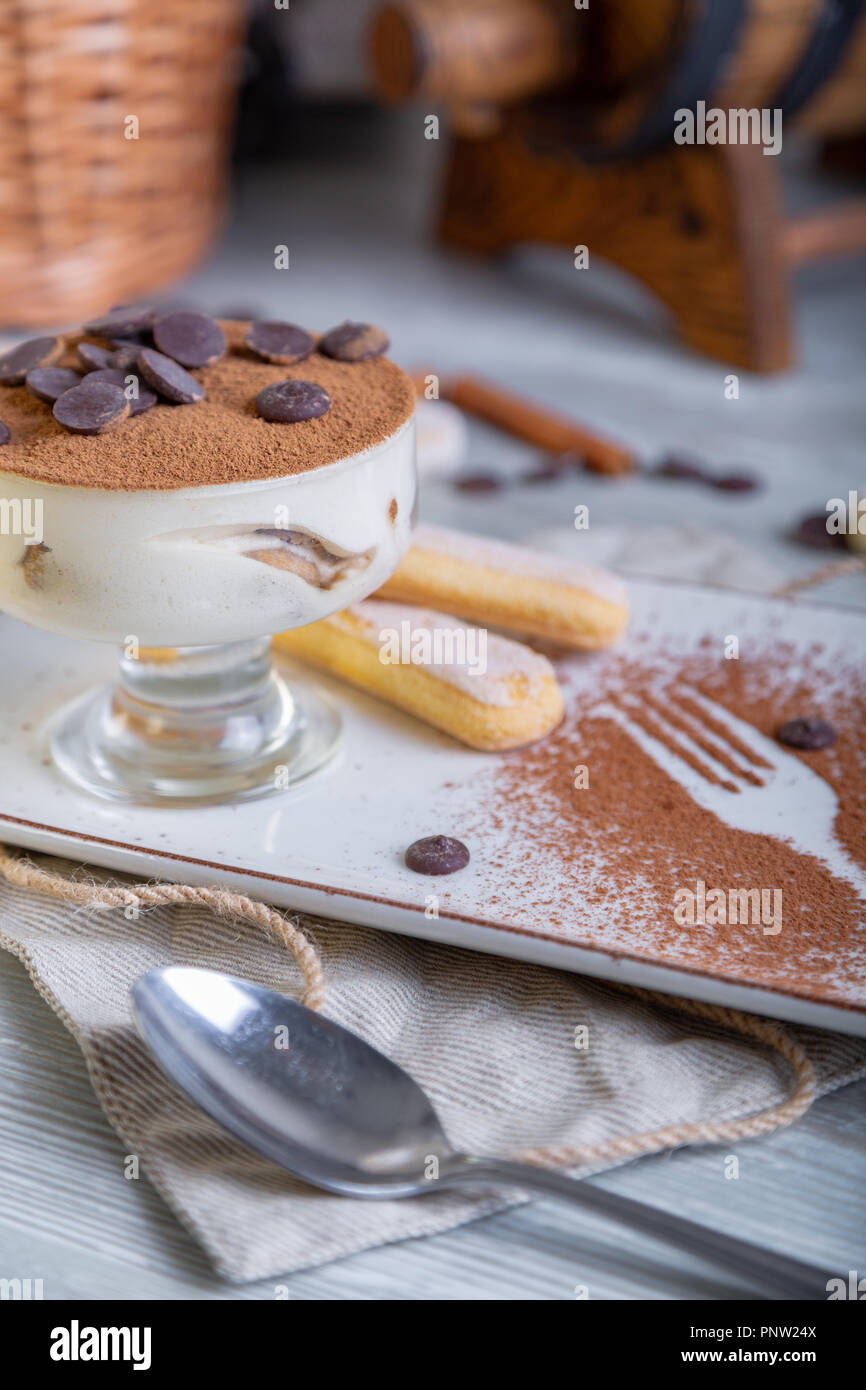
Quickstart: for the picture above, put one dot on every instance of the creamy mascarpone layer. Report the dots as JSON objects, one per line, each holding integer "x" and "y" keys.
{"x": 176, "y": 568}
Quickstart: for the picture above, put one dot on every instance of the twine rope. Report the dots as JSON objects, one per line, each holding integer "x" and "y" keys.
{"x": 22, "y": 872}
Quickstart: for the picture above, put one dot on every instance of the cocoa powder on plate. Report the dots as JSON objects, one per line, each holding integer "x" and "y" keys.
{"x": 601, "y": 864}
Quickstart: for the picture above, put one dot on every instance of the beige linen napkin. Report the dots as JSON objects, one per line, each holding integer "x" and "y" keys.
{"x": 518, "y": 1060}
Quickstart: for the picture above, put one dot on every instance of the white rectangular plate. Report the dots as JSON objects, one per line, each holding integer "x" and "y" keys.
{"x": 334, "y": 845}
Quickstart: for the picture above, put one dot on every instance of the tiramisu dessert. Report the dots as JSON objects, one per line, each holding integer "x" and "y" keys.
{"x": 183, "y": 482}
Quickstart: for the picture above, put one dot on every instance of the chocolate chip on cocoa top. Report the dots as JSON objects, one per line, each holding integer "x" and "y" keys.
{"x": 283, "y": 343}
{"x": 5, "y": 434}
{"x": 94, "y": 358}
{"x": 223, "y": 440}
{"x": 140, "y": 399}
{"x": 169, "y": 378}
{"x": 436, "y": 854}
{"x": 47, "y": 383}
{"x": 354, "y": 342}
{"x": 91, "y": 408}
{"x": 193, "y": 340}
{"x": 36, "y": 352}
{"x": 125, "y": 352}
{"x": 288, "y": 402}
{"x": 123, "y": 321}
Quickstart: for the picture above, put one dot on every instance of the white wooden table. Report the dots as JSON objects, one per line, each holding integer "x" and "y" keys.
{"x": 592, "y": 343}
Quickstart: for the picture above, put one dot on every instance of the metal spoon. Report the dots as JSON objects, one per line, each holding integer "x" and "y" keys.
{"x": 327, "y": 1106}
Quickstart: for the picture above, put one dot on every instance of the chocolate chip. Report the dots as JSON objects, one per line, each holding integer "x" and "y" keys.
{"x": 545, "y": 473}
{"x": 734, "y": 482}
{"x": 812, "y": 531}
{"x": 279, "y": 342}
{"x": 169, "y": 378}
{"x": 94, "y": 358}
{"x": 91, "y": 408}
{"x": 47, "y": 383}
{"x": 353, "y": 342}
{"x": 479, "y": 482}
{"x": 193, "y": 340}
{"x": 678, "y": 466}
{"x": 436, "y": 854}
{"x": 552, "y": 467}
{"x": 123, "y": 321}
{"x": 116, "y": 376}
{"x": 125, "y": 352}
{"x": 5, "y": 435}
{"x": 36, "y": 352}
{"x": 808, "y": 732}
{"x": 287, "y": 402}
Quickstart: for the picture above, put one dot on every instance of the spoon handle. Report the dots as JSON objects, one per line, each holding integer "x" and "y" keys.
{"x": 779, "y": 1275}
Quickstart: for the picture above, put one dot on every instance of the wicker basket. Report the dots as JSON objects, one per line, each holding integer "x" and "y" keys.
{"x": 89, "y": 216}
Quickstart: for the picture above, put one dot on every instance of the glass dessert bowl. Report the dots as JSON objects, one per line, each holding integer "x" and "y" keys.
{"x": 217, "y": 529}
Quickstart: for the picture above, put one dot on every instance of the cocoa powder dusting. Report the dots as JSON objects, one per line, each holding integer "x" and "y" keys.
{"x": 617, "y": 851}
{"x": 218, "y": 440}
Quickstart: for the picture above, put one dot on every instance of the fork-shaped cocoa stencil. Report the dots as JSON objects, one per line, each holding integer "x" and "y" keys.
{"x": 738, "y": 774}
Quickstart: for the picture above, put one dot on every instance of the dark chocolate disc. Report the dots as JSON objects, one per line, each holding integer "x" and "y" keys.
{"x": 437, "y": 854}
{"x": 141, "y": 401}
{"x": 683, "y": 467}
{"x": 5, "y": 434}
{"x": 734, "y": 482}
{"x": 353, "y": 342}
{"x": 479, "y": 482}
{"x": 279, "y": 342}
{"x": 125, "y": 352}
{"x": 47, "y": 383}
{"x": 807, "y": 732}
{"x": 193, "y": 340}
{"x": 91, "y": 408}
{"x": 93, "y": 357}
{"x": 812, "y": 530}
{"x": 169, "y": 378}
{"x": 288, "y": 402}
{"x": 123, "y": 321}
{"x": 26, "y": 357}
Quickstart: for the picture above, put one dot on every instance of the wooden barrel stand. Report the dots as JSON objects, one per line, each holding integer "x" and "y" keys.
{"x": 701, "y": 225}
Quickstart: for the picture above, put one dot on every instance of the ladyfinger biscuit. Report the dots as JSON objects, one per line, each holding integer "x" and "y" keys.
{"x": 483, "y": 689}
{"x": 509, "y": 586}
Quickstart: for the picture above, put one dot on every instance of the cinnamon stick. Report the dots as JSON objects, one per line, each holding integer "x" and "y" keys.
{"x": 556, "y": 434}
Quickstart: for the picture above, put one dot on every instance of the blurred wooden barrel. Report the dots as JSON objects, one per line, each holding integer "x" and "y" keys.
{"x": 621, "y": 57}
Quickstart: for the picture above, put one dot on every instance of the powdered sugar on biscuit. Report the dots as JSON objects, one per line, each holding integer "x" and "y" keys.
{"x": 491, "y": 669}
{"x": 519, "y": 559}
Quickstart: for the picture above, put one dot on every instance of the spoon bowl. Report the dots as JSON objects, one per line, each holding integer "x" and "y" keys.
{"x": 290, "y": 1083}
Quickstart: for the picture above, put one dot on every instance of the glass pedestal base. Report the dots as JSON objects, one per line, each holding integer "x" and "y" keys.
{"x": 195, "y": 725}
